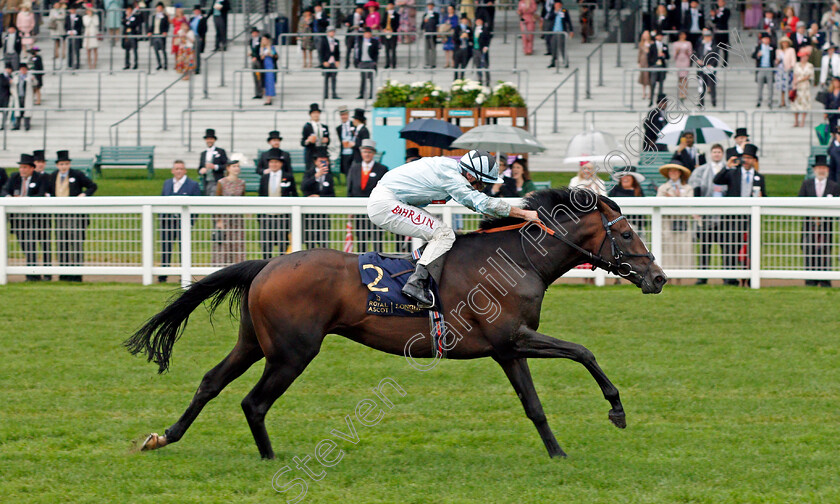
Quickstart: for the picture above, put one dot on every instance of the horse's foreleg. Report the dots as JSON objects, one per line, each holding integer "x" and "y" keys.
{"x": 530, "y": 343}
{"x": 519, "y": 375}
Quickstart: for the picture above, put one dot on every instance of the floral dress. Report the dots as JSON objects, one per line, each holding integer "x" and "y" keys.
{"x": 185, "y": 59}
{"x": 802, "y": 103}
{"x": 306, "y": 43}
{"x": 176, "y": 27}
{"x": 229, "y": 230}
{"x": 408, "y": 20}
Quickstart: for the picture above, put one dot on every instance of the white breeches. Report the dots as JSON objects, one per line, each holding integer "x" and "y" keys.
{"x": 391, "y": 214}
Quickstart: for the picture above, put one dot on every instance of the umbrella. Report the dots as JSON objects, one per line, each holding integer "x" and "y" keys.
{"x": 431, "y": 132}
{"x": 590, "y": 146}
{"x": 706, "y": 129}
{"x": 373, "y": 4}
{"x": 498, "y": 139}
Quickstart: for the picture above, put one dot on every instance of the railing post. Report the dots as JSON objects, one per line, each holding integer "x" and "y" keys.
{"x": 575, "y": 106}
{"x": 99, "y": 91}
{"x": 46, "y": 125}
{"x": 204, "y": 81}
{"x": 147, "y": 244}
{"x": 60, "y": 88}
{"x": 755, "y": 247}
{"x": 222, "y": 75}
{"x": 554, "y": 128}
{"x": 601, "y": 66}
{"x": 164, "y": 111}
{"x": 84, "y": 131}
{"x": 186, "y": 246}
{"x": 4, "y": 244}
{"x": 588, "y": 93}
{"x": 232, "y": 133}
{"x": 190, "y": 91}
{"x": 600, "y": 277}
{"x": 297, "y": 229}
{"x": 656, "y": 232}
{"x": 618, "y": 42}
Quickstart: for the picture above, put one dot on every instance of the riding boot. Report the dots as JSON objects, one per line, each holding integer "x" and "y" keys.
{"x": 417, "y": 287}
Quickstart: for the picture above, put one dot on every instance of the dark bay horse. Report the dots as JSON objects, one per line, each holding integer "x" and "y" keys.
{"x": 492, "y": 285}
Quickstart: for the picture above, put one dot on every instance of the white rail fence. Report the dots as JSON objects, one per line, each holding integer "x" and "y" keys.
{"x": 723, "y": 238}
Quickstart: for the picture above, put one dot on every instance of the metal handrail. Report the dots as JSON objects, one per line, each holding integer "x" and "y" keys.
{"x": 533, "y": 113}
{"x": 600, "y": 50}
{"x": 186, "y": 132}
{"x": 284, "y": 71}
{"x": 720, "y": 73}
{"x": 62, "y": 73}
{"x": 6, "y": 112}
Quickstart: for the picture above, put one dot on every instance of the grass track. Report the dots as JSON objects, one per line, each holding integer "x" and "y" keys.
{"x": 731, "y": 397}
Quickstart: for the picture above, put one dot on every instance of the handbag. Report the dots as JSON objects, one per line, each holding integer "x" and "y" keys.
{"x": 792, "y": 94}
{"x": 822, "y": 96}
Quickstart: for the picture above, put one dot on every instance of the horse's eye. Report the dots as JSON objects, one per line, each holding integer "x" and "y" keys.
{"x": 626, "y": 235}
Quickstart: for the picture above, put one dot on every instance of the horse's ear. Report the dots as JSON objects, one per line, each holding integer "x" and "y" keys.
{"x": 607, "y": 206}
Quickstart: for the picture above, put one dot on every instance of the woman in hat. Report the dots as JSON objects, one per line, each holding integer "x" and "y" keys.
{"x": 644, "y": 49}
{"x": 229, "y": 234}
{"x": 629, "y": 184}
{"x": 789, "y": 20}
{"x": 113, "y": 19}
{"x": 307, "y": 45}
{"x": 373, "y": 17}
{"x": 408, "y": 20}
{"x": 36, "y": 64}
{"x": 25, "y": 23}
{"x": 177, "y": 21}
{"x": 785, "y": 59}
{"x": 587, "y": 179}
{"x": 91, "y": 41}
{"x": 184, "y": 39}
{"x": 268, "y": 58}
{"x": 676, "y": 234}
{"x": 803, "y": 73}
{"x": 682, "y": 59}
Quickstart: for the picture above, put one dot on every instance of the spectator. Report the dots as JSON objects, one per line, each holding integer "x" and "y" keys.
{"x": 803, "y": 72}
{"x": 256, "y": 64}
{"x": 74, "y": 28}
{"x": 314, "y": 136}
{"x": 346, "y": 132}
{"x": 720, "y": 20}
{"x": 629, "y": 184}
{"x": 585, "y": 18}
{"x": 741, "y": 140}
{"x": 69, "y": 229}
{"x": 431, "y": 19}
{"x": 710, "y": 227}
{"x": 587, "y": 179}
{"x": 177, "y": 21}
{"x": 687, "y": 154}
{"x": 25, "y": 23}
{"x": 800, "y": 37}
{"x": 764, "y": 56}
{"x": 390, "y": 24}
{"x": 198, "y": 25}
{"x": 329, "y": 54}
{"x": 212, "y": 163}
{"x": 277, "y": 181}
{"x": 55, "y": 23}
{"x": 789, "y": 21}
{"x": 6, "y": 79}
{"x": 4, "y": 177}
{"x": 157, "y": 30}
{"x": 468, "y": 9}
{"x": 681, "y": 17}
{"x": 36, "y": 65}
{"x": 317, "y": 182}
{"x": 676, "y": 234}
{"x": 527, "y": 10}
{"x": 12, "y": 47}
{"x": 268, "y": 58}
{"x": 451, "y": 21}
{"x": 682, "y": 59}
{"x": 463, "y": 46}
{"x": 366, "y": 58}
{"x": 817, "y": 232}
{"x": 23, "y": 90}
{"x": 220, "y": 15}
{"x": 354, "y": 25}
{"x": 132, "y": 27}
{"x": 170, "y": 224}
{"x": 696, "y": 22}
{"x": 830, "y": 22}
{"x": 832, "y": 103}
{"x": 307, "y": 45}
{"x": 229, "y": 232}
{"x": 481, "y": 50}
{"x": 40, "y": 161}
{"x": 25, "y": 183}
{"x": 408, "y": 20}
{"x": 785, "y": 59}
{"x": 706, "y": 55}
{"x": 662, "y": 20}
{"x": 361, "y": 133}
{"x": 768, "y": 25}
{"x": 644, "y": 50}
{"x": 487, "y": 13}
{"x": 274, "y": 140}
{"x": 185, "y": 58}
{"x": 319, "y": 18}
{"x": 362, "y": 177}
{"x": 90, "y": 21}
{"x": 753, "y": 13}
{"x": 373, "y": 18}
{"x": 559, "y": 22}
{"x": 829, "y": 65}
{"x": 834, "y": 155}
{"x": 653, "y": 125}
{"x": 658, "y": 59}
{"x": 113, "y": 18}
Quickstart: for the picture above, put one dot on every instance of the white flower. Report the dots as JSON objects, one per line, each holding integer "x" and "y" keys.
{"x": 435, "y": 93}
{"x": 480, "y": 98}
{"x": 417, "y": 84}
{"x": 485, "y": 90}
{"x": 510, "y": 85}
{"x": 438, "y": 88}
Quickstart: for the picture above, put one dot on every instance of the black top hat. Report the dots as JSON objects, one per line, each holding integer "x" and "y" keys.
{"x": 765, "y": 35}
{"x": 210, "y": 133}
{"x": 740, "y": 132}
{"x": 197, "y": 8}
{"x": 320, "y": 152}
{"x": 272, "y": 135}
{"x": 38, "y": 155}
{"x": 412, "y": 152}
{"x": 751, "y": 150}
{"x": 359, "y": 114}
{"x": 62, "y": 155}
{"x": 26, "y": 159}
{"x": 273, "y": 154}
{"x": 314, "y": 108}
{"x": 820, "y": 160}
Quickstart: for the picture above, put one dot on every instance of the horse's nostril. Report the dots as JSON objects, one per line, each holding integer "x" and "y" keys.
{"x": 660, "y": 280}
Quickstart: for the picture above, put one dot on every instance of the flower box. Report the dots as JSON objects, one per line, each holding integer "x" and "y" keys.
{"x": 506, "y": 116}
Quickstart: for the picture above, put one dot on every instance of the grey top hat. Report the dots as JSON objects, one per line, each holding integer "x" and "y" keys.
{"x": 368, "y": 143}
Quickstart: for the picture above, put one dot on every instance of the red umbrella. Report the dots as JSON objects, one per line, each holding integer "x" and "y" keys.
{"x": 373, "y": 4}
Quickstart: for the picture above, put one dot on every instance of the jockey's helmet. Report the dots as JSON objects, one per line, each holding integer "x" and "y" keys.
{"x": 481, "y": 165}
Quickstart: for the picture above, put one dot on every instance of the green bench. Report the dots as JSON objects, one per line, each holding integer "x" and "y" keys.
{"x": 649, "y": 163}
{"x": 542, "y": 184}
{"x": 84, "y": 165}
{"x": 126, "y": 157}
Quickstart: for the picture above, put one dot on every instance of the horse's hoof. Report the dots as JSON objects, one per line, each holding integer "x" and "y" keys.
{"x": 618, "y": 419}
{"x": 153, "y": 442}
{"x": 559, "y": 454}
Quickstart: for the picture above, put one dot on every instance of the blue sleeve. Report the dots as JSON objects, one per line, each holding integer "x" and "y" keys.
{"x": 457, "y": 187}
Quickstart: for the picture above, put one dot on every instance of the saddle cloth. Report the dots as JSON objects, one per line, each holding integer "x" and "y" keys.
{"x": 385, "y": 277}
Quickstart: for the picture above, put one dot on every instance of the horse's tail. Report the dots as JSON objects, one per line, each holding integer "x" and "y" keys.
{"x": 159, "y": 334}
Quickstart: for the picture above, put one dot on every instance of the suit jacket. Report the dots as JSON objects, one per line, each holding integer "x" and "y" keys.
{"x": 5, "y": 89}
{"x": 77, "y": 25}
{"x": 567, "y": 21}
{"x": 362, "y": 133}
{"x": 688, "y": 161}
{"x": 373, "y": 51}
{"x": 132, "y": 25}
{"x": 654, "y": 123}
{"x": 78, "y": 181}
{"x": 809, "y": 188}
{"x": 324, "y": 52}
{"x": 202, "y": 30}
{"x": 17, "y": 44}
{"x": 310, "y": 184}
{"x": 320, "y": 25}
{"x": 756, "y": 55}
{"x": 797, "y": 44}
{"x": 164, "y": 24}
{"x": 654, "y": 60}
{"x": 4, "y": 177}
{"x": 395, "y": 21}
{"x": 703, "y": 58}
{"x": 188, "y": 188}
{"x": 288, "y": 186}
{"x": 37, "y": 184}
{"x": 721, "y": 18}
{"x": 483, "y": 38}
{"x": 262, "y": 163}
{"x": 463, "y": 44}
{"x": 834, "y": 161}
{"x": 731, "y": 178}
{"x": 354, "y": 179}
{"x": 730, "y": 152}
{"x": 431, "y": 23}
{"x": 219, "y": 163}
{"x": 308, "y": 149}
{"x": 812, "y": 225}
{"x": 701, "y": 20}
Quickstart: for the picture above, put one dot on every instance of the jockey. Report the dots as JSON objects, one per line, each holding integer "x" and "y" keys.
{"x": 394, "y": 205}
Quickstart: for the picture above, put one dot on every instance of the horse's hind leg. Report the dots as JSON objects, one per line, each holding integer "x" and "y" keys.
{"x": 519, "y": 374}
{"x": 244, "y": 354}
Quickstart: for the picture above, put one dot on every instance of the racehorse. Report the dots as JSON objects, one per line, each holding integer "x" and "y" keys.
{"x": 280, "y": 320}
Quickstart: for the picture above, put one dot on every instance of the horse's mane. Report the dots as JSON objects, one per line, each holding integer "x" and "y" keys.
{"x": 546, "y": 199}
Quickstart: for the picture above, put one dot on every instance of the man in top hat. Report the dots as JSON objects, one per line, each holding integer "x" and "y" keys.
{"x": 5, "y": 93}
{"x": 741, "y": 180}
{"x": 658, "y": 58}
{"x": 687, "y": 153}
{"x": 329, "y": 54}
{"x": 212, "y": 163}
{"x": 274, "y": 140}
{"x": 132, "y": 25}
{"x": 277, "y": 181}
{"x": 654, "y": 122}
{"x": 765, "y": 59}
{"x": 710, "y": 226}
{"x": 720, "y": 18}
{"x": 317, "y": 182}
{"x": 366, "y": 58}
{"x": 69, "y": 229}
{"x": 361, "y": 133}
{"x": 817, "y": 231}
{"x": 314, "y": 135}
{"x": 361, "y": 179}
{"x": 23, "y": 90}
{"x": 412, "y": 154}
{"x": 390, "y": 23}
{"x": 256, "y": 63}
{"x": 354, "y": 24}
{"x": 157, "y": 30}
{"x": 26, "y": 182}
{"x": 36, "y": 66}
{"x": 74, "y": 28}
{"x": 558, "y": 21}
{"x": 346, "y": 132}
{"x": 800, "y": 37}
{"x": 12, "y": 47}
{"x": 43, "y": 222}
{"x": 220, "y": 9}
{"x": 429, "y": 25}
{"x": 741, "y": 139}
{"x": 706, "y": 55}
{"x": 198, "y": 25}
